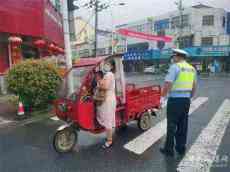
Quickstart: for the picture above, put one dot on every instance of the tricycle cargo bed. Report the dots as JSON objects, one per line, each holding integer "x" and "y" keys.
{"x": 139, "y": 100}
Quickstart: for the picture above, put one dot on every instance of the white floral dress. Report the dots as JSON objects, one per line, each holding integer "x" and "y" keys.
{"x": 106, "y": 112}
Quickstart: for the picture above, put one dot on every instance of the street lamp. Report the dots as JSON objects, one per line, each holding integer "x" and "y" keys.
{"x": 113, "y": 31}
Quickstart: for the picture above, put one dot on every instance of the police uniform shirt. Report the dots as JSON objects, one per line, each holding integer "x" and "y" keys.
{"x": 172, "y": 75}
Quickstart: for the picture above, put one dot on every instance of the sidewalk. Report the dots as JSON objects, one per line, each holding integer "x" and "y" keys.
{"x": 8, "y": 114}
{"x": 7, "y": 111}
{"x": 215, "y": 75}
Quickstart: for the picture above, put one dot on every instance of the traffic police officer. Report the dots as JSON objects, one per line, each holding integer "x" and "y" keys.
{"x": 179, "y": 86}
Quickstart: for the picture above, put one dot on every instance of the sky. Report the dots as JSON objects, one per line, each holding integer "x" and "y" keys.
{"x": 139, "y": 9}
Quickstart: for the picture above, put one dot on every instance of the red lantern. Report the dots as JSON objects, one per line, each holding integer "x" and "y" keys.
{"x": 40, "y": 43}
{"x": 15, "y": 40}
{"x": 56, "y": 49}
{"x": 51, "y": 47}
{"x": 61, "y": 50}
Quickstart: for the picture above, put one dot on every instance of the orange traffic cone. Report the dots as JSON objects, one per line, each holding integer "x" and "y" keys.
{"x": 21, "y": 111}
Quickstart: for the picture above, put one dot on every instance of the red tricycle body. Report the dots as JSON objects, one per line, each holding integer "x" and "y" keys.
{"x": 133, "y": 102}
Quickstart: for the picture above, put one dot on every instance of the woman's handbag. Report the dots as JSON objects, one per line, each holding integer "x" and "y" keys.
{"x": 99, "y": 96}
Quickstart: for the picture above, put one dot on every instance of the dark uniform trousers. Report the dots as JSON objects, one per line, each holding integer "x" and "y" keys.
{"x": 177, "y": 123}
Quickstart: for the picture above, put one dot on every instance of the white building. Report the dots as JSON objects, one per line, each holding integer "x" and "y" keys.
{"x": 201, "y": 26}
{"x": 83, "y": 36}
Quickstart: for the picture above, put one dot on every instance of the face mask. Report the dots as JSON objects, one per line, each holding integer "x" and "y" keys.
{"x": 107, "y": 68}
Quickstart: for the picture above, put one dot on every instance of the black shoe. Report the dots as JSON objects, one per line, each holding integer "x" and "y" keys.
{"x": 166, "y": 152}
{"x": 181, "y": 152}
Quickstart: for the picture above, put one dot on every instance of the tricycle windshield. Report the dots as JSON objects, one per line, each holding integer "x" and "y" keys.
{"x": 78, "y": 74}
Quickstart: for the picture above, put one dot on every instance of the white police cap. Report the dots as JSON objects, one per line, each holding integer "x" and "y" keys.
{"x": 180, "y": 52}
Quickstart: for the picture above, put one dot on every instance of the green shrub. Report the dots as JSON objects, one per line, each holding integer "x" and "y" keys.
{"x": 35, "y": 82}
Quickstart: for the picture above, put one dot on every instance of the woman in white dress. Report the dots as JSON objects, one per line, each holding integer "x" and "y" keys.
{"x": 106, "y": 111}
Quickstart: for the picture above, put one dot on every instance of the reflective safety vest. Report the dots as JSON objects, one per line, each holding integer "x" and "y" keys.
{"x": 185, "y": 79}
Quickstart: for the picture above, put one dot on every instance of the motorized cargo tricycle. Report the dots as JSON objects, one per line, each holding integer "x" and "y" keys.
{"x": 78, "y": 109}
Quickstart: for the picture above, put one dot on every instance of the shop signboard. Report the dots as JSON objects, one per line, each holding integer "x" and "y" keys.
{"x": 37, "y": 18}
{"x": 145, "y": 55}
{"x": 213, "y": 51}
{"x": 217, "y": 50}
{"x": 196, "y": 52}
{"x": 161, "y": 25}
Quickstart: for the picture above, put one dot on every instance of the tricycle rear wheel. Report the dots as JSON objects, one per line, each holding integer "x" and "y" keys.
{"x": 64, "y": 140}
{"x": 145, "y": 121}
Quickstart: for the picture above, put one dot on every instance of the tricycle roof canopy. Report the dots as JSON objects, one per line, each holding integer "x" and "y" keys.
{"x": 92, "y": 61}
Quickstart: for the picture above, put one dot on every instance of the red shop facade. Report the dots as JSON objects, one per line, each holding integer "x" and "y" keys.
{"x": 29, "y": 29}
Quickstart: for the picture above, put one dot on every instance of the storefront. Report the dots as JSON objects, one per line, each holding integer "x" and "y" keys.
{"x": 28, "y": 29}
{"x": 214, "y": 59}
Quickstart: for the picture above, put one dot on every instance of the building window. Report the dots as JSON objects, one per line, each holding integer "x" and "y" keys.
{"x": 101, "y": 51}
{"x": 84, "y": 53}
{"x": 185, "y": 21}
{"x": 140, "y": 28}
{"x": 206, "y": 41}
{"x": 186, "y": 41}
{"x": 149, "y": 27}
{"x": 228, "y": 23}
{"x": 175, "y": 22}
{"x": 224, "y": 21}
{"x": 208, "y": 20}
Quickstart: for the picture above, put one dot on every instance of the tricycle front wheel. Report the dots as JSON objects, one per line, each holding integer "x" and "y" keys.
{"x": 64, "y": 140}
{"x": 145, "y": 121}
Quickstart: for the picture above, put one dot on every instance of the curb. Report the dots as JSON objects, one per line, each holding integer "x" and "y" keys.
{"x": 19, "y": 123}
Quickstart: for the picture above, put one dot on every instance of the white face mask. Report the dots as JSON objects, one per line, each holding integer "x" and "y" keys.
{"x": 107, "y": 68}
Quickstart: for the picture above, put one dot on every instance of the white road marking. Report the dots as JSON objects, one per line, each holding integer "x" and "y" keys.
{"x": 203, "y": 152}
{"x": 55, "y": 118}
{"x": 3, "y": 121}
{"x": 148, "y": 138}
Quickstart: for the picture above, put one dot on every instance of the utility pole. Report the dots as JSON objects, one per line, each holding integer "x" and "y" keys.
{"x": 98, "y": 6}
{"x": 67, "y": 44}
{"x": 181, "y": 9}
{"x": 96, "y": 27}
{"x": 112, "y": 41}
